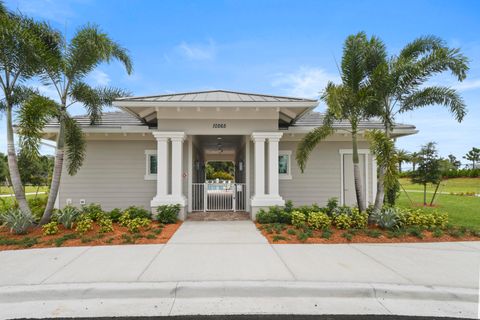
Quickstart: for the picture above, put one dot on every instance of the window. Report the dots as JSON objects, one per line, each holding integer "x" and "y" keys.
{"x": 284, "y": 164}
{"x": 151, "y": 165}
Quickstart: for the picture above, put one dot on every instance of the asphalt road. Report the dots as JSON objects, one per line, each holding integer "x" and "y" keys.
{"x": 268, "y": 317}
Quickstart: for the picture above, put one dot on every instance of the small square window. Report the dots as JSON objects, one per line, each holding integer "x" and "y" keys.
{"x": 284, "y": 164}
{"x": 150, "y": 164}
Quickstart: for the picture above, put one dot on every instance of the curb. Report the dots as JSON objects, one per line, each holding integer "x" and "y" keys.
{"x": 233, "y": 289}
{"x": 234, "y": 297}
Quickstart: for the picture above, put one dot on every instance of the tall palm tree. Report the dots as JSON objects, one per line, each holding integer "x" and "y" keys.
{"x": 66, "y": 73}
{"x": 351, "y": 100}
{"x": 399, "y": 83}
{"x": 24, "y": 43}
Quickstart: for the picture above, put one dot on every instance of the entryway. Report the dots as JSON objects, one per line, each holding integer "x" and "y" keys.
{"x": 218, "y": 216}
{"x": 219, "y": 180}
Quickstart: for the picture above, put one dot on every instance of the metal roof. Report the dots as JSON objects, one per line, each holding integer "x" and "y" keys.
{"x": 114, "y": 119}
{"x": 315, "y": 119}
{"x": 215, "y": 96}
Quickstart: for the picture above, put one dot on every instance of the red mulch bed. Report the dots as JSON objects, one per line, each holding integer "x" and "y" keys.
{"x": 359, "y": 237}
{"x": 157, "y": 233}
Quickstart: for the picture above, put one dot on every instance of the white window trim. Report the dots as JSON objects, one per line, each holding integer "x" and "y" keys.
{"x": 288, "y": 175}
{"x": 148, "y": 175}
{"x": 342, "y": 152}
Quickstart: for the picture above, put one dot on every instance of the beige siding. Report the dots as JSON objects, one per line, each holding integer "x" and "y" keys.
{"x": 322, "y": 177}
{"x": 112, "y": 175}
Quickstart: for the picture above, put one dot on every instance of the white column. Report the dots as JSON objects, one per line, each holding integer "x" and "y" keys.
{"x": 273, "y": 165}
{"x": 259, "y": 163}
{"x": 260, "y": 199}
{"x": 162, "y": 165}
{"x": 177, "y": 162}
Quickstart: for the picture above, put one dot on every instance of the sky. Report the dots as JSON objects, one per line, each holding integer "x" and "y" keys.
{"x": 273, "y": 47}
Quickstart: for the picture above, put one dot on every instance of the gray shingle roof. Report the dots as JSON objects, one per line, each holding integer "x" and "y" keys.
{"x": 114, "y": 119}
{"x": 315, "y": 119}
{"x": 215, "y": 96}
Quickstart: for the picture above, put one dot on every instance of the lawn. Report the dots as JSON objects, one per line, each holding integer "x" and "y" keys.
{"x": 455, "y": 185}
{"x": 462, "y": 210}
{"x": 28, "y": 189}
{"x": 8, "y": 200}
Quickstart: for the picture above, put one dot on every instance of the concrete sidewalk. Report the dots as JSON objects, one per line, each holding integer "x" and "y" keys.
{"x": 214, "y": 262}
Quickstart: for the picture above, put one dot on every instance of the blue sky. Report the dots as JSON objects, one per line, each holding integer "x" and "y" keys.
{"x": 275, "y": 47}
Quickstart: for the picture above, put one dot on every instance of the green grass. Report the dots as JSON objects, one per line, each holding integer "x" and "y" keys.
{"x": 28, "y": 189}
{"x": 462, "y": 210}
{"x": 9, "y": 200}
{"x": 455, "y": 185}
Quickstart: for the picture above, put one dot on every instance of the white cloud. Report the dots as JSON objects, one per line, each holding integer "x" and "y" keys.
{"x": 191, "y": 51}
{"x": 306, "y": 82}
{"x": 58, "y": 11}
{"x": 468, "y": 85}
{"x": 100, "y": 78}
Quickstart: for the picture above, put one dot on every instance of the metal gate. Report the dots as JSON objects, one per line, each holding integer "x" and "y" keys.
{"x": 215, "y": 196}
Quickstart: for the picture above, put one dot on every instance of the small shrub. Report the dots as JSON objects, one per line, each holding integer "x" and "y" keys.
{"x": 274, "y": 214}
{"x": 86, "y": 239}
{"x": 168, "y": 214}
{"x": 67, "y": 216}
{"x": 348, "y": 236}
{"x": 373, "y": 233}
{"x": 135, "y": 224}
{"x": 298, "y": 219}
{"x": 84, "y": 225}
{"x": 288, "y": 207}
{"x": 151, "y": 236}
{"x": 279, "y": 227}
{"x": 60, "y": 241}
{"x": 387, "y": 218}
{"x": 475, "y": 233}
{"x": 93, "y": 211}
{"x": 424, "y": 219}
{"x": 319, "y": 220}
{"x": 127, "y": 238}
{"x": 437, "y": 233}
{"x": 415, "y": 232}
{"x": 265, "y": 217}
{"x": 302, "y": 236}
{"x": 332, "y": 203}
{"x": 359, "y": 219}
{"x": 342, "y": 221}
{"x": 139, "y": 212}
{"x": 157, "y": 231}
{"x": 50, "y": 228}
{"x": 37, "y": 206}
{"x": 326, "y": 234}
{"x": 278, "y": 238}
{"x": 456, "y": 233}
{"x": 106, "y": 225}
{"x": 16, "y": 221}
{"x": 115, "y": 214}
{"x": 291, "y": 232}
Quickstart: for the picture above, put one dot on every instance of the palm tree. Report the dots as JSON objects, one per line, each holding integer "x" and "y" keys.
{"x": 402, "y": 156}
{"x": 24, "y": 43}
{"x": 66, "y": 73}
{"x": 399, "y": 83}
{"x": 414, "y": 157}
{"x": 350, "y": 100}
{"x": 473, "y": 155}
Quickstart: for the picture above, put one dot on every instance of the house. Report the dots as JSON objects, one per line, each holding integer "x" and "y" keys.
{"x": 153, "y": 152}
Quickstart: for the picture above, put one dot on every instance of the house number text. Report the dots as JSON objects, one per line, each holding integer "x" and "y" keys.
{"x": 219, "y": 125}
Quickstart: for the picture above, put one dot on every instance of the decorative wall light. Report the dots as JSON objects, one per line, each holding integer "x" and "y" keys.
{"x": 240, "y": 165}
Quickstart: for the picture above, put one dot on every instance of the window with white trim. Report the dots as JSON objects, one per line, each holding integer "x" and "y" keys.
{"x": 284, "y": 164}
{"x": 150, "y": 164}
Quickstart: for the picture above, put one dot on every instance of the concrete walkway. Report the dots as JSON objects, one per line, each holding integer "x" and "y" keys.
{"x": 229, "y": 267}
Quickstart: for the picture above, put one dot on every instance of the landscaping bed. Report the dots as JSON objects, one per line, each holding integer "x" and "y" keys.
{"x": 88, "y": 225}
{"x": 156, "y": 233}
{"x": 343, "y": 224}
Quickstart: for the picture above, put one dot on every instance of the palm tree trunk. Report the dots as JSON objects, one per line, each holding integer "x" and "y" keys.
{"x": 400, "y": 166}
{"x": 57, "y": 174}
{"x": 357, "y": 174}
{"x": 13, "y": 165}
{"x": 380, "y": 195}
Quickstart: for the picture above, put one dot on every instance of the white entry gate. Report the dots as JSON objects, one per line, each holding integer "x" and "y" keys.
{"x": 218, "y": 196}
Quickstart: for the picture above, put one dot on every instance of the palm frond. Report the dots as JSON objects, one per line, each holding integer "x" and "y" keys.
{"x": 90, "y": 47}
{"x": 421, "y": 46}
{"x": 443, "y": 96}
{"x": 385, "y": 154}
{"x": 32, "y": 117}
{"x": 312, "y": 139}
{"x": 75, "y": 146}
{"x": 94, "y": 99}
